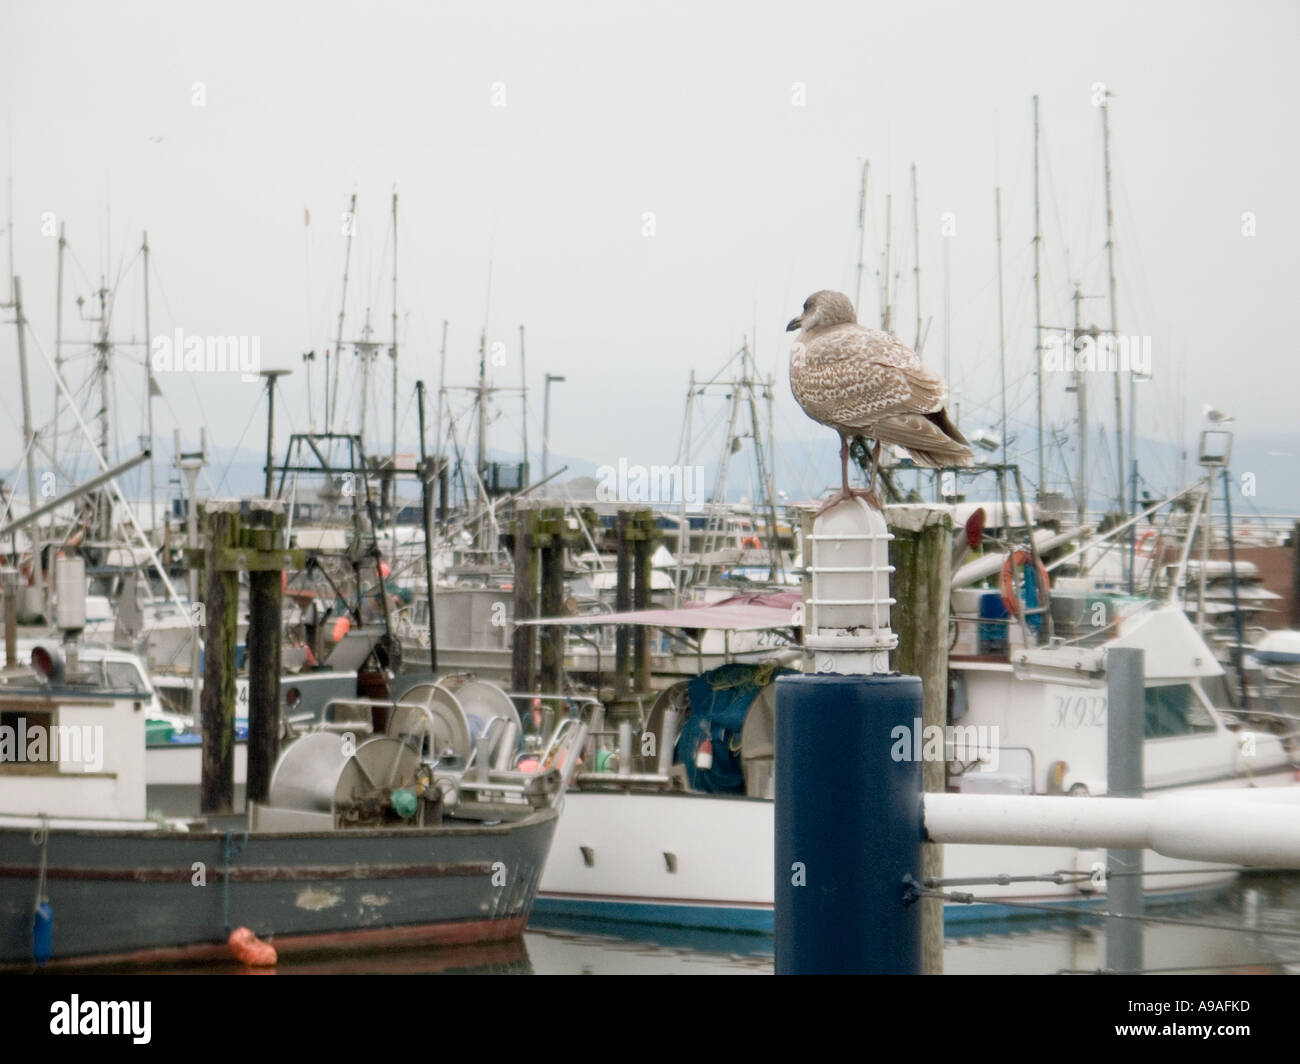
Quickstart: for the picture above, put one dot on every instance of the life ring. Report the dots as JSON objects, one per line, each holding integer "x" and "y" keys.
{"x": 1012, "y": 565}
{"x": 751, "y": 542}
{"x": 1148, "y": 543}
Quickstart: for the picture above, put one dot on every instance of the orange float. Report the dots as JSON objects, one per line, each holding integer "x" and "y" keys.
{"x": 250, "y": 950}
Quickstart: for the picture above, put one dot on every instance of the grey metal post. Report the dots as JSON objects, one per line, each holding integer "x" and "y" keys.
{"x": 1125, "y": 730}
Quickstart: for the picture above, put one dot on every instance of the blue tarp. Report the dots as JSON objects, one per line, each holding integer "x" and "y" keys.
{"x": 720, "y": 701}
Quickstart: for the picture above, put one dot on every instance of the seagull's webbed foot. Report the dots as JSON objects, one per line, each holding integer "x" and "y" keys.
{"x": 873, "y": 500}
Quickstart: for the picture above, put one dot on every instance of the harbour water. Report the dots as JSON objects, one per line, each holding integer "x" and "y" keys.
{"x": 1251, "y": 928}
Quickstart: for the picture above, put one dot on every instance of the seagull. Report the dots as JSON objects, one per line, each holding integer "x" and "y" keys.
{"x": 863, "y": 382}
{"x": 1217, "y": 416}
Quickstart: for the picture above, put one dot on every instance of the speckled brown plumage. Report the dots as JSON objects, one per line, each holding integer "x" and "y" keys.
{"x": 863, "y": 382}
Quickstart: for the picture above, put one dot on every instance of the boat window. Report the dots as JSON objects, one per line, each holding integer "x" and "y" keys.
{"x": 122, "y": 676}
{"x": 1219, "y": 691}
{"x": 1175, "y": 710}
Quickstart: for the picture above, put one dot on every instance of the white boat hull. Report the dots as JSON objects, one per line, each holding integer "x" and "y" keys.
{"x": 707, "y": 861}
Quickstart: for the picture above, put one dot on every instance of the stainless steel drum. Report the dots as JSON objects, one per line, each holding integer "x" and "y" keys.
{"x": 307, "y": 773}
{"x": 452, "y": 741}
{"x": 323, "y": 773}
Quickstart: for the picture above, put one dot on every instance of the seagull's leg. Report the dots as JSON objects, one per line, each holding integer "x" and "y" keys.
{"x": 870, "y": 494}
{"x": 845, "y": 493}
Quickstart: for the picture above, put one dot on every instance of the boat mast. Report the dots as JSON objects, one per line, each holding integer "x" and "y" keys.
{"x": 364, "y": 347}
{"x": 332, "y": 402}
{"x": 916, "y": 265}
{"x": 885, "y": 308}
{"x": 481, "y": 455}
{"x": 523, "y": 402}
{"x": 862, "y": 235}
{"x": 105, "y": 393}
{"x": 9, "y": 227}
{"x": 749, "y": 373}
{"x": 150, "y": 388}
{"x": 683, "y": 526}
{"x": 29, "y": 435}
{"x": 1002, "y": 345}
{"x": 947, "y": 315}
{"x": 1038, "y": 309}
{"x": 1114, "y": 323}
{"x": 1081, "y": 402}
{"x": 58, "y": 354}
{"x": 437, "y": 423}
{"x": 392, "y": 514}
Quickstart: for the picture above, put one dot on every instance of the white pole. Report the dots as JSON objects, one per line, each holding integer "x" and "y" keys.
{"x": 1191, "y": 826}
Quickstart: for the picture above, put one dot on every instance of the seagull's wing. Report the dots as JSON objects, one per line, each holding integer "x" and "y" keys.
{"x": 852, "y": 377}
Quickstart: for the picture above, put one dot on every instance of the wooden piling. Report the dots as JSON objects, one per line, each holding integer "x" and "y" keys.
{"x": 552, "y": 540}
{"x": 11, "y": 618}
{"x": 643, "y": 533}
{"x": 220, "y": 636}
{"x": 622, "y": 603}
{"x": 231, "y": 546}
{"x": 264, "y": 538}
{"x": 921, "y": 555}
{"x": 1295, "y": 576}
{"x": 523, "y": 651}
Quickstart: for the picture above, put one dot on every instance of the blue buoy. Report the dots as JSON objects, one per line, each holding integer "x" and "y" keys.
{"x": 43, "y": 933}
{"x": 848, "y": 824}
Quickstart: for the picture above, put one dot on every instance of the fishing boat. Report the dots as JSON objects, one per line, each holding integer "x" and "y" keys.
{"x": 370, "y": 836}
{"x": 685, "y": 837}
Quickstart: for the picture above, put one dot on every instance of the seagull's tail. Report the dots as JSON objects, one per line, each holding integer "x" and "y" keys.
{"x": 954, "y": 456}
{"x": 943, "y": 422}
{"x": 931, "y": 439}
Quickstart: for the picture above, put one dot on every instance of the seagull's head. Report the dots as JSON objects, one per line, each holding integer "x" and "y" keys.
{"x": 823, "y": 309}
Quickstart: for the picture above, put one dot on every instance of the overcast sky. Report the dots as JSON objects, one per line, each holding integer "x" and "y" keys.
{"x": 649, "y": 185}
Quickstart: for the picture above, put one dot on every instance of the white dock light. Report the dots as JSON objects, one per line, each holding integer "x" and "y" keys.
{"x": 848, "y": 604}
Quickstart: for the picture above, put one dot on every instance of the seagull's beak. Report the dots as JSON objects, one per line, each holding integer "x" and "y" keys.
{"x": 795, "y": 323}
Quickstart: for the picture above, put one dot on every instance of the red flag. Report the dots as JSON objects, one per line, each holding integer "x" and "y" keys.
{"x": 306, "y": 216}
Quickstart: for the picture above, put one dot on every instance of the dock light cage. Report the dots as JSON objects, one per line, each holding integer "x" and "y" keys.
{"x": 847, "y": 607}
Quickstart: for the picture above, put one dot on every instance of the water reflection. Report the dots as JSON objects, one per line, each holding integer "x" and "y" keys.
{"x": 1254, "y": 927}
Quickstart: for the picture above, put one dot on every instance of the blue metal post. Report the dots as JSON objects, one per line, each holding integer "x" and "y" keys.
{"x": 848, "y": 824}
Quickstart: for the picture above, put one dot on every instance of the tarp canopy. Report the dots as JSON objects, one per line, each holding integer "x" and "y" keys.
{"x": 740, "y": 613}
